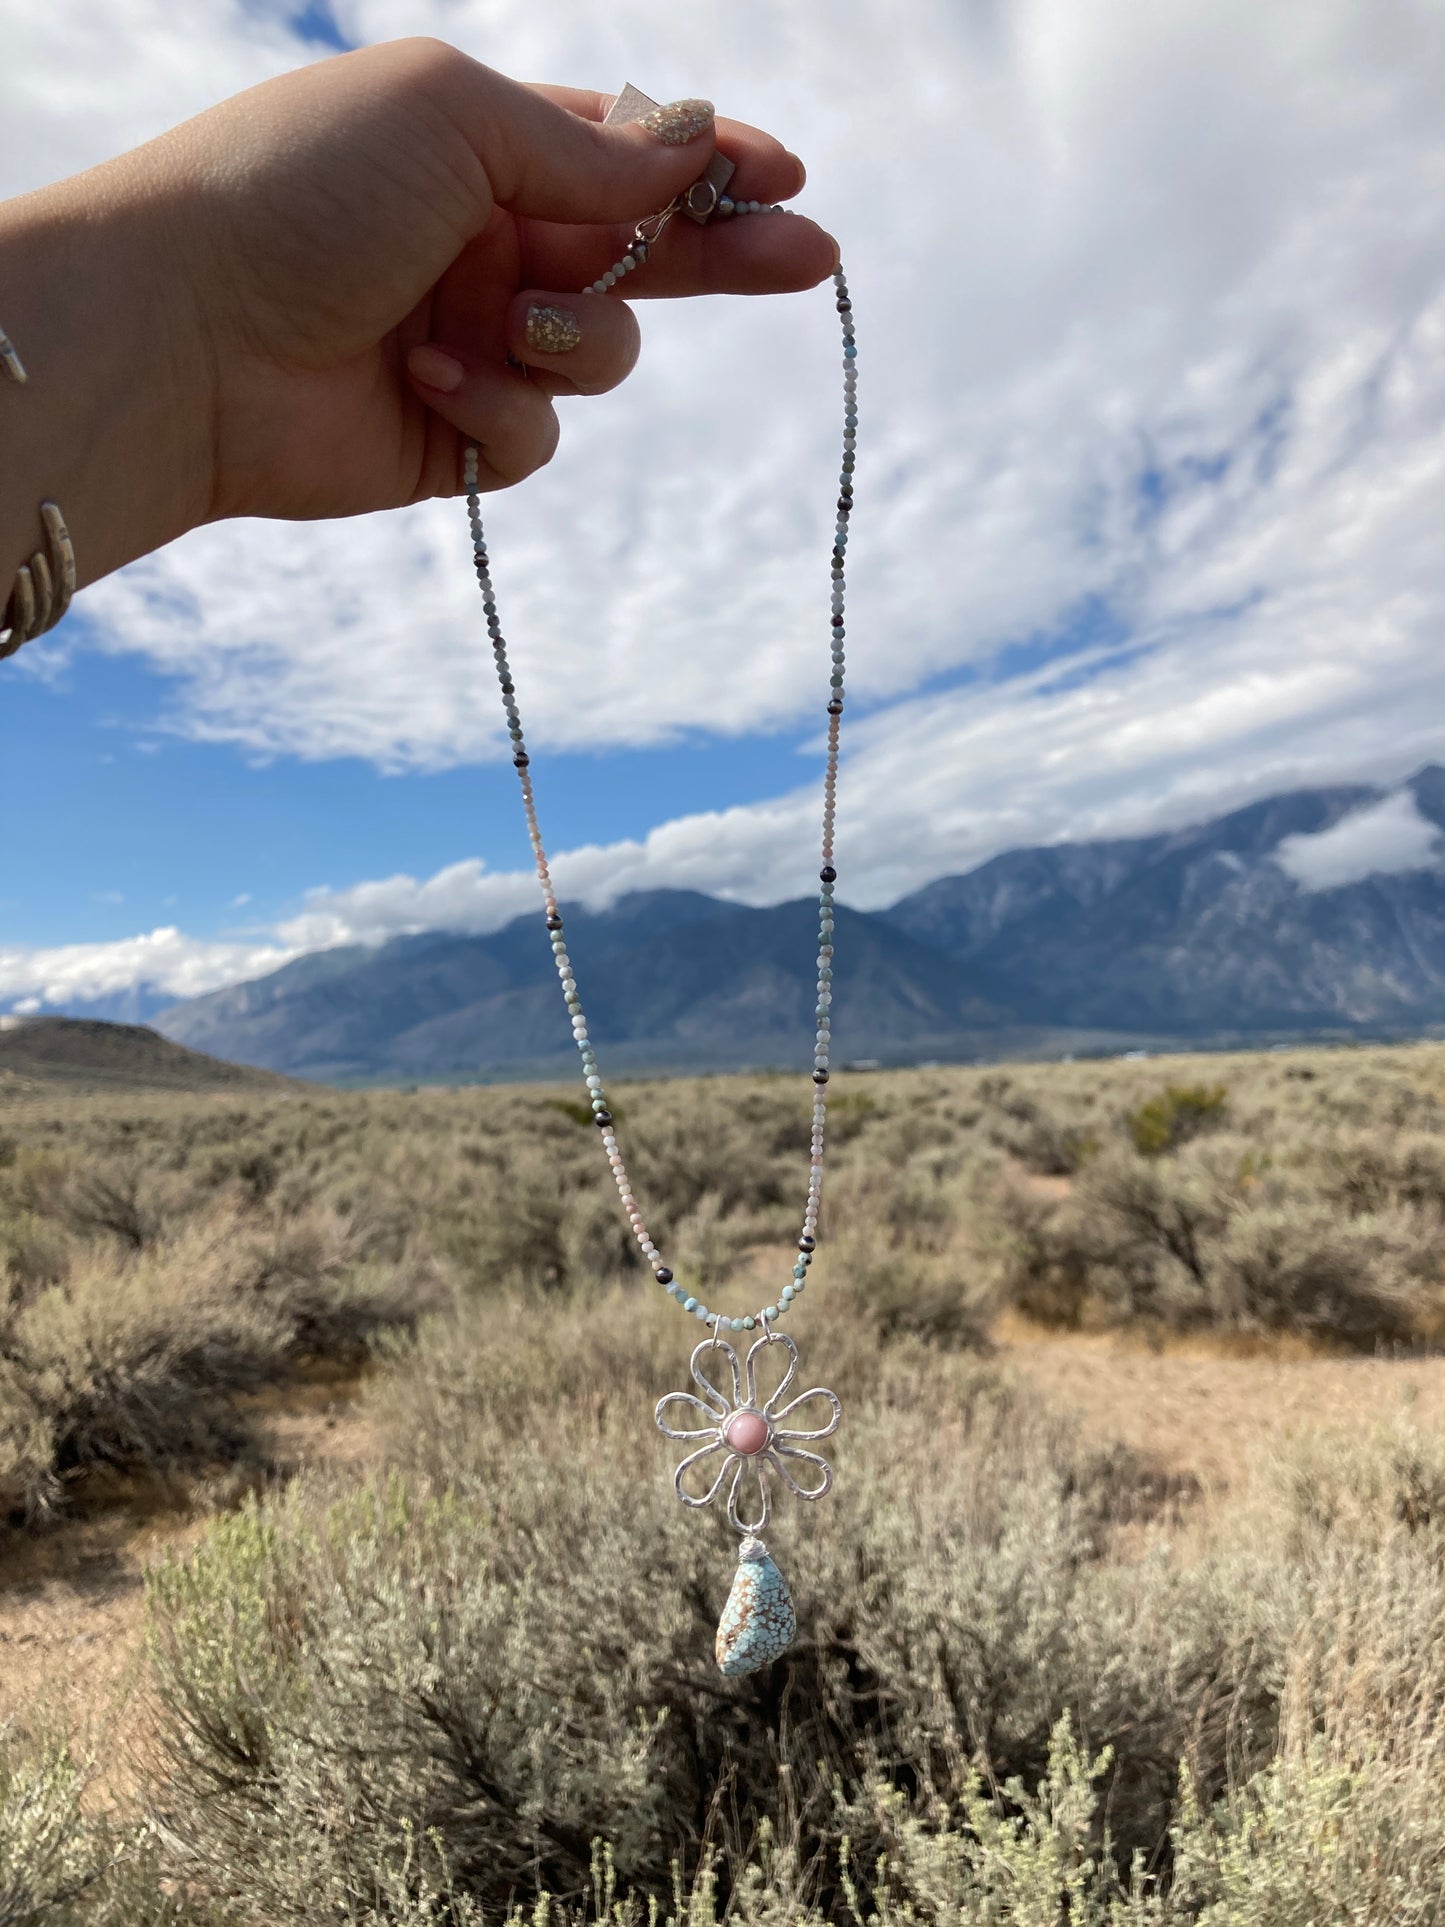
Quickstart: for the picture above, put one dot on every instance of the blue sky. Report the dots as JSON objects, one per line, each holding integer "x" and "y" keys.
{"x": 1151, "y": 314}
{"x": 129, "y": 824}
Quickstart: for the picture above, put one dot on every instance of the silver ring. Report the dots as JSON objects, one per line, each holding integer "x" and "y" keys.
{"x": 43, "y": 586}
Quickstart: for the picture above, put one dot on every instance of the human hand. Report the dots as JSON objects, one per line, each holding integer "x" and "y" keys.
{"x": 281, "y": 255}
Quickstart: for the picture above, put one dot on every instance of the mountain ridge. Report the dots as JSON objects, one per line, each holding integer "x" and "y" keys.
{"x": 1190, "y": 935}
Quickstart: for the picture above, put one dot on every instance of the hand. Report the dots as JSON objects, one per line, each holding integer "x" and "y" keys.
{"x": 245, "y": 293}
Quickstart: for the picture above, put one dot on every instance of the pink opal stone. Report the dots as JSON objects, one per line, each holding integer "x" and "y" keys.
{"x": 747, "y": 1432}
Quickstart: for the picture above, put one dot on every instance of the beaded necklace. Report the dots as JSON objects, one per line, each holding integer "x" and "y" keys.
{"x": 747, "y": 1427}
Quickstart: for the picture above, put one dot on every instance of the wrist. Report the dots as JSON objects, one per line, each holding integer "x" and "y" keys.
{"x": 114, "y": 421}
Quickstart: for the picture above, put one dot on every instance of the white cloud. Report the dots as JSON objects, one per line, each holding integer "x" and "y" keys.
{"x": 165, "y": 959}
{"x": 1383, "y": 839}
{"x": 1152, "y": 321}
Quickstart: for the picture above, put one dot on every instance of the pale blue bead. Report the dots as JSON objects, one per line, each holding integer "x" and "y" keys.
{"x": 750, "y": 1324}
{"x": 771, "y": 1312}
{"x": 800, "y": 1270}
{"x": 737, "y": 1324}
{"x": 691, "y": 1305}
{"x": 758, "y": 1622}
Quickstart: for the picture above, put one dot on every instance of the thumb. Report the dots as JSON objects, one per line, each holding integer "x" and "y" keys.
{"x": 544, "y": 161}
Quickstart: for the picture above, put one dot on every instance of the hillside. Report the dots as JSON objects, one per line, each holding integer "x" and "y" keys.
{"x": 84, "y": 1053}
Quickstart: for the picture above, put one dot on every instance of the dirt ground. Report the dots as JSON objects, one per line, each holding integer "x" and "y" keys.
{"x": 72, "y": 1596}
{"x": 1210, "y": 1409}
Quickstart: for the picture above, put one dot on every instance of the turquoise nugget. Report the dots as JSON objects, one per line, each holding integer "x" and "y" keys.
{"x": 758, "y": 1623}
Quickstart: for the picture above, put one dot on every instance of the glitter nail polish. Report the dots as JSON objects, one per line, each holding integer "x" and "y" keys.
{"x": 552, "y": 331}
{"x": 679, "y": 122}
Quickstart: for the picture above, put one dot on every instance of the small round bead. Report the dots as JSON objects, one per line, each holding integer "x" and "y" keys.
{"x": 690, "y": 1304}
{"x": 663, "y": 1275}
{"x": 736, "y": 1324}
{"x": 771, "y": 1312}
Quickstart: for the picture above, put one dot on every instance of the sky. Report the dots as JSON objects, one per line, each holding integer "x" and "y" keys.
{"x": 1150, "y": 501}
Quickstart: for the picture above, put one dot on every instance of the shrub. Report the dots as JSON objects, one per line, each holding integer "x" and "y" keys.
{"x": 502, "y": 1651}
{"x": 1296, "y": 1267}
{"x": 1180, "y": 1112}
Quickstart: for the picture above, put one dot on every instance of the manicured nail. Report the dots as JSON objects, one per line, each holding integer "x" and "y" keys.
{"x": 433, "y": 369}
{"x": 552, "y": 331}
{"x": 679, "y": 122}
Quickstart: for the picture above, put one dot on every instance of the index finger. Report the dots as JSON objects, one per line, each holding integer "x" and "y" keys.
{"x": 766, "y": 170}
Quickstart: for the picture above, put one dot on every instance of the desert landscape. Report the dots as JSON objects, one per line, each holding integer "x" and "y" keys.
{"x": 342, "y": 1578}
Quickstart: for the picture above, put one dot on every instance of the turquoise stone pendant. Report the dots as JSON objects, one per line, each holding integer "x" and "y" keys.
{"x": 758, "y": 1623}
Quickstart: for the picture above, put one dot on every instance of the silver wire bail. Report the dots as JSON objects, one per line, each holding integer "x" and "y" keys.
{"x": 717, "y": 1325}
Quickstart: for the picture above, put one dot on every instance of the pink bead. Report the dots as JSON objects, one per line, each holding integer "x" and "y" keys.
{"x": 747, "y": 1432}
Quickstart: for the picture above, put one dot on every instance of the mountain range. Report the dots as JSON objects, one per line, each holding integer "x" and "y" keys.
{"x": 1320, "y": 913}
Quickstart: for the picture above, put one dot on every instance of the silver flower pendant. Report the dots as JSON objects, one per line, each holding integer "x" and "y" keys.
{"x": 758, "y": 1622}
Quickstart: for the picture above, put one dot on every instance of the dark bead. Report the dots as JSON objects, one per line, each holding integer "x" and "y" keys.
{"x": 837, "y": 622}
{"x": 828, "y": 873}
{"x": 521, "y": 760}
{"x": 805, "y": 1243}
{"x": 835, "y": 708}
{"x": 820, "y": 1077}
{"x": 844, "y": 505}
{"x": 602, "y": 1118}
{"x": 663, "y": 1275}
{"x": 554, "y": 923}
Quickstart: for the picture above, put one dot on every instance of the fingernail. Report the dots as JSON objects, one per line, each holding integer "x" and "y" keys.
{"x": 802, "y": 173}
{"x": 433, "y": 369}
{"x": 679, "y": 122}
{"x": 552, "y": 331}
